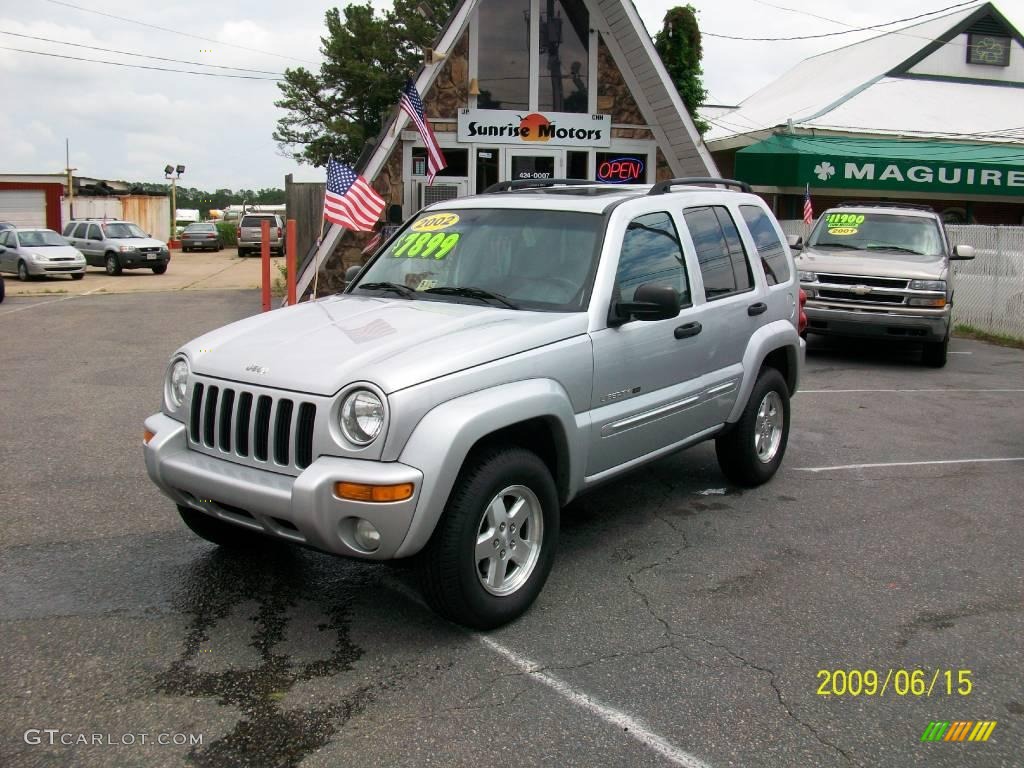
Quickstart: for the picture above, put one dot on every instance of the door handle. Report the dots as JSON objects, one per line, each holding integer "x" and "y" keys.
{"x": 757, "y": 309}
{"x": 688, "y": 330}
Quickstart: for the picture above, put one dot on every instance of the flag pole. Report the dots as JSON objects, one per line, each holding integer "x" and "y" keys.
{"x": 320, "y": 236}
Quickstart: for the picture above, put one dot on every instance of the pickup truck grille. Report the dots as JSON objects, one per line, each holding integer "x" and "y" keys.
{"x": 868, "y": 298}
{"x": 254, "y": 427}
{"x": 875, "y": 282}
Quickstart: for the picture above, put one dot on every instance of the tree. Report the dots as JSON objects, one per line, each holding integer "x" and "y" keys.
{"x": 679, "y": 46}
{"x": 367, "y": 59}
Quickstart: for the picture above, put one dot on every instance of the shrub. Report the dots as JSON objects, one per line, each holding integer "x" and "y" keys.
{"x": 228, "y": 232}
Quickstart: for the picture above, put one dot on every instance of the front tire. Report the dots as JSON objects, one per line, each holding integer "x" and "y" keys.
{"x": 113, "y": 266}
{"x": 23, "y": 274}
{"x": 935, "y": 353}
{"x": 220, "y": 533}
{"x": 159, "y": 269}
{"x": 750, "y": 452}
{"x": 495, "y": 543}
{"x": 78, "y": 276}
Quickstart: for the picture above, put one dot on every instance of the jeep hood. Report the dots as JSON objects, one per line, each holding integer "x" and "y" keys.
{"x": 843, "y": 261}
{"x": 138, "y": 242}
{"x": 319, "y": 347}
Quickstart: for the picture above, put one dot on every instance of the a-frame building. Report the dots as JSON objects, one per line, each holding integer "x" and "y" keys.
{"x": 584, "y": 70}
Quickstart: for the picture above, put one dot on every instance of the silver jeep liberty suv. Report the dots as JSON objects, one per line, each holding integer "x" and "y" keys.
{"x": 501, "y": 355}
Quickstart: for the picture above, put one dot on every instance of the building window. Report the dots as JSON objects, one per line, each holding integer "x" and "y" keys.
{"x": 503, "y": 62}
{"x": 457, "y": 160}
{"x": 564, "y": 55}
{"x": 576, "y": 165}
{"x": 990, "y": 50}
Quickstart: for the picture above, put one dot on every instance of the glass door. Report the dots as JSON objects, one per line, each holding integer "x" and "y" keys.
{"x": 530, "y": 164}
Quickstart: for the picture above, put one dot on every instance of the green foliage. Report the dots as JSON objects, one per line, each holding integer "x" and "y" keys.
{"x": 190, "y": 197}
{"x": 367, "y": 56}
{"x": 228, "y": 232}
{"x": 679, "y": 46}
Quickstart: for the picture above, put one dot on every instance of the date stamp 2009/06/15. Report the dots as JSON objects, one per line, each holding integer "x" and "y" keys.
{"x": 896, "y": 682}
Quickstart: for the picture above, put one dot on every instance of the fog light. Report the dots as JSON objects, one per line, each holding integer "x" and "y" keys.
{"x": 367, "y": 537}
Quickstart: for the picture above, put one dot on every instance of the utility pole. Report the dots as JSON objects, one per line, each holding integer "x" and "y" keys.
{"x": 71, "y": 181}
{"x": 173, "y": 173}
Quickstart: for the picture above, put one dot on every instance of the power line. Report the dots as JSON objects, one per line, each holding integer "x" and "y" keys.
{"x": 140, "y": 55}
{"x": 828, "y": 34}
{"x": 179, "y": 32}
{"x": 141, "y": 66}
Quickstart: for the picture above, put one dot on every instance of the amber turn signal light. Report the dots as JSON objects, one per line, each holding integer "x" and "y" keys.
{"x": 147, "y": 436}
{"x": 374, "y": 493}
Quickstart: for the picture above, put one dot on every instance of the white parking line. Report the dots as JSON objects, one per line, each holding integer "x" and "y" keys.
{"x": 907, "y": 464}
{"x": 855, "y": 391}
{"x": 635, "y": 728}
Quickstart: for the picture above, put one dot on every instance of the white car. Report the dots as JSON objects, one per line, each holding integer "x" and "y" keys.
{"x": 39, "y": 252}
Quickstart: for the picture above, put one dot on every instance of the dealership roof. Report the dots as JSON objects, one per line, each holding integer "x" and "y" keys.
{"x": 909, "y": 82}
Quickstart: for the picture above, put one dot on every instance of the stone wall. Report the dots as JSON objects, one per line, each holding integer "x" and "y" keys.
{"x": 450, "y": 90}
{"x": 613, "y": 95}
{"x": 664, "y": 171}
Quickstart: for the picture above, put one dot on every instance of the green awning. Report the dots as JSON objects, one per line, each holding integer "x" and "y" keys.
{"x": 787, "y": 160}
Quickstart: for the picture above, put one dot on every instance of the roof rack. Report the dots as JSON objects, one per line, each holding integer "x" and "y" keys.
{"x": 877, "y": 204}
{"x": 664, "y": 187}
{"x": 510, "y": 186}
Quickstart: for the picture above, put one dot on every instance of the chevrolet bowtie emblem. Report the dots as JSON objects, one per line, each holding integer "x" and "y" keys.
{"x": 861, "y": 290}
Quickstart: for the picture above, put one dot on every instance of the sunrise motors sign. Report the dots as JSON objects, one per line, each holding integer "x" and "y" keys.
{"x": 534, "y": 129}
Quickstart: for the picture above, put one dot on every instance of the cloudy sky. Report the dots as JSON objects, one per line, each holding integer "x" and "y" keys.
{"x": 126, "y": 123}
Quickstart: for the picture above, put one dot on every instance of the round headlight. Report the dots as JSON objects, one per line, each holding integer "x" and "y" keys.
{"x": 177, "y": 383}
{"x": 362, "y": 417}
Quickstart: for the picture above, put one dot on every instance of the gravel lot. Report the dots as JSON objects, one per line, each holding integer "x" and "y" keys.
{"x": 685, "y": 621}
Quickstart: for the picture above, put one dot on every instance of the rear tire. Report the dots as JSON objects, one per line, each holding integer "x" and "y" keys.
{"x": 222, "y": 534}
{"x": 504, "y": 495}
{"x": 935, "y": 353}
{"x": 750, "y": 452}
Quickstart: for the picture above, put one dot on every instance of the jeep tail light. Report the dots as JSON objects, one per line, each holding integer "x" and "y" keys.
{"x": 801, "y": 324}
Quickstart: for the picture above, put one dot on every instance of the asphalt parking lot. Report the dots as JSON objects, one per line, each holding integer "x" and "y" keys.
{"x": 685, "y": 622}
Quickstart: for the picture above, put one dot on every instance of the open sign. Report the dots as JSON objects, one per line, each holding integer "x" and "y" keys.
{"x": 622, "y": 170}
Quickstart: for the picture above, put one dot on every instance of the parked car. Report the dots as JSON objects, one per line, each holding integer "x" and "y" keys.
{"x": 117, "y": 245}
{"x": 202, "y": 236}
{"x": 2, "y": 289}
{"x": 39, "y": 252}
{"x": 881, "y": 270}
{"x": 250, "y": 233}
{"x": 5, "y": 225}
{"x": 502, "y": 355}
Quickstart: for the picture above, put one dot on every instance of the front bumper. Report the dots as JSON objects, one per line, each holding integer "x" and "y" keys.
{"x": 142, "y": 260}
{"x": 878, "y": 323}
{"x": 37, "y": 268}
{"x": 299, "y": 509}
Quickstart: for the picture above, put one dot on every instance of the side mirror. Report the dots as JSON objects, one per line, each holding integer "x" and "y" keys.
{"x": 962, "y": 253}
{"x": 796, "y": 242}
{"x": 352, "y": 273}
{"x": 650, "y": 302}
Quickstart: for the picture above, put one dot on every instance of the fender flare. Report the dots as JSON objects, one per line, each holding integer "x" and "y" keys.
{"x": 779, "y": 334}
{"x": 442, "y": 440}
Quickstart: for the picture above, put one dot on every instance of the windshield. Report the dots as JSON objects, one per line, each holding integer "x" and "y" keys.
{"x": 123, "y": 230}
{"x": 878, "y": 232}
{"x": 39, "y": 238}
{"x": 527, "y": 259}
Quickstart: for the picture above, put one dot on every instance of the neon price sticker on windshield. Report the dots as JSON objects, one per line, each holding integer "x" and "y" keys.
{"x": 435, "y": 222}
{"x": 842, "y": 231}
{"x": 844, "y": 219}
{"x": 426, "y": 245}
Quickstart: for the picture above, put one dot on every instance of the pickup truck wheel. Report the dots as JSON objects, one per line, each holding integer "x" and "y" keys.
{"x": 220, "y": 533}
{"x": 495, "y": 544}
{"x": 752, "y": 450}
{"x": 935, "y": 353}
{"x": 112, "y": 265}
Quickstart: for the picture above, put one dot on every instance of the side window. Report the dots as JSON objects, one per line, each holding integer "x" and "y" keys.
{"x": 80, "y": 230}
{"x": 720, "y": 252}
{"x": 769, "y": 247}
{"x": 651, "y": 253}
{"x": 94, "y": 232}
{"x": 3, "y": 237}
{"x": 67, "y": 229}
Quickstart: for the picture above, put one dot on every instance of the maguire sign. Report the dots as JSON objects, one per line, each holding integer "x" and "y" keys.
{"x": 971, "y": 178}
{"x": 553, "y": 129}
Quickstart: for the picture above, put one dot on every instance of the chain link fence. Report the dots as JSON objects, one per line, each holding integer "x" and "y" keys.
{"x": 989, "y": 291}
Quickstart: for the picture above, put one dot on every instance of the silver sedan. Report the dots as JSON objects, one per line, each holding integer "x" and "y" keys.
{"x": 37, "y": 252}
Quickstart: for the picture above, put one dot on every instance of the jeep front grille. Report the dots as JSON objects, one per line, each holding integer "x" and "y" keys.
{"x": 258, "y": 428}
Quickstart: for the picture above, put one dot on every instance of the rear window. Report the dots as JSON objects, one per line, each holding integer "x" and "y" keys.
{"x": 769, "y": 246}
{"x": 200, "y": 228}
{"x": 257, "y": 221}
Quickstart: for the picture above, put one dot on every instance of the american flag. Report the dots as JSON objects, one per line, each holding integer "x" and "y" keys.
{"x": 412, "y": 104}
{"x": 350, "y": 200}
{"x": 808, "y": 208}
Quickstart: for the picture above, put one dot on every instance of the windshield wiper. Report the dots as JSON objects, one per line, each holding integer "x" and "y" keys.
{"x": 835, "y": 245}
{"x": 401, "y": 290}
{"x": 472, "y": 293}
{"x": 893, "y": 248}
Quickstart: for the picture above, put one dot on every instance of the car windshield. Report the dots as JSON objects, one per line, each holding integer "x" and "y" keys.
{"x": 200, "y": 228}
{"x": 36, "y": 238}
{"x": 878, "y": 232}
{"x": 123, "y": 230}
{"x": 522, "y": 259}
